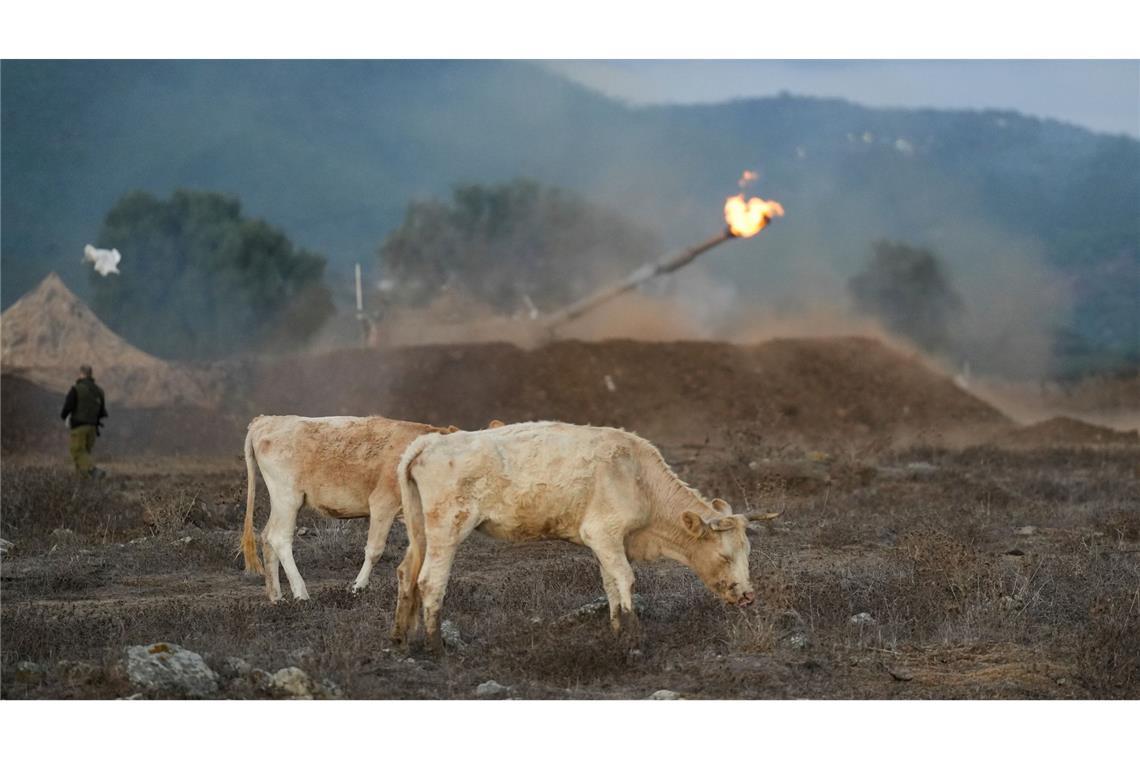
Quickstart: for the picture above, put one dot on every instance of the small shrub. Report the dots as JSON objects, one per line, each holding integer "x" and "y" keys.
{"x": 753, "y": 633}
{"x": 167, "y": 513}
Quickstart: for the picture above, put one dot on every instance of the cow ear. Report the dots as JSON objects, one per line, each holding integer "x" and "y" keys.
{"x": 693, "y": 523}
{"x": 495, "y": 424}
{"x": 722, "y": 506}
{"x": 452, "y": 429}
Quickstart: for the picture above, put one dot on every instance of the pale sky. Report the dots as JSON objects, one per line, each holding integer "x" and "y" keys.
{"x": 1103, "y": 96}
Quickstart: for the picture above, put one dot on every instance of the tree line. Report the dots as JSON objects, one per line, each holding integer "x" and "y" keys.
{"x": 202, "y": 280}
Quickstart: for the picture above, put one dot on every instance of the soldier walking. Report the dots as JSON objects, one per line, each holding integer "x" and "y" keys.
{"x": 87, "y": 408}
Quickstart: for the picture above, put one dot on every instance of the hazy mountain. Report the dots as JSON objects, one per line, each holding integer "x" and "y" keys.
{"x": 1038, "y": 220}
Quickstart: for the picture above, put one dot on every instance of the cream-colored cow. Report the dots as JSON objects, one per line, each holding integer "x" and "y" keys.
{"x": 345, "y": 467}
{"x": 605, "y": 488}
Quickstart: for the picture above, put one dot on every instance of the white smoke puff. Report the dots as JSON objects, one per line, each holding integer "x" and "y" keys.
{"x": 106, "y": 262}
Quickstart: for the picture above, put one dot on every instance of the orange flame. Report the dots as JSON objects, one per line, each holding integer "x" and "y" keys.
{"x": 746, "y": 218}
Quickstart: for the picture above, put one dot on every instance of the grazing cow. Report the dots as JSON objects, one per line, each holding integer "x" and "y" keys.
{"x": 605, "y": 488}
{"x": 344, "y": 467}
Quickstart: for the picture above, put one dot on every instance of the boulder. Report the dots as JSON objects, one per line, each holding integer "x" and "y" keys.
{"x": 168, "y": 668}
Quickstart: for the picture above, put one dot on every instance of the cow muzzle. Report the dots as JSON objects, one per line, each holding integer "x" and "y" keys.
{"x": 746, "y": 599}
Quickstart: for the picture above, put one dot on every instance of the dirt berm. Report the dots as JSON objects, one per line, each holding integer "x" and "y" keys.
{"x": 823, "y": 392}
{"x": 1066, "y": 431}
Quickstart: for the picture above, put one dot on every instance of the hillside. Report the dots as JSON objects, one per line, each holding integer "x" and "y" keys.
{"x": 332, "y": 152}
{"x": 48, "y": 333}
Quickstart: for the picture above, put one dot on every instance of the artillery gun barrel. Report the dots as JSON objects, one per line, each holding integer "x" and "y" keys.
{"x": 649, "y": 271}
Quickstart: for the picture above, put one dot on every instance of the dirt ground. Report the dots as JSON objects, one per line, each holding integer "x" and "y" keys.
{"x": 903, "y": 565}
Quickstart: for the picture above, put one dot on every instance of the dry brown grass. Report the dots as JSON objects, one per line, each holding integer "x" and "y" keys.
{"x": 962, "y": 603}
{"x": 167, "y": 514}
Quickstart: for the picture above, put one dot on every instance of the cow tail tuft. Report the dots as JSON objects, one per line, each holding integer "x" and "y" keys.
{"x": 248, "y": 541}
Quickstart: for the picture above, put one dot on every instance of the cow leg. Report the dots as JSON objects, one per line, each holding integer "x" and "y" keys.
{"x": 381, "y": 513}
{"x": 444, "y": 534}
{"x": 407, "y": 618}
{"x": 271, "y": 564}
{"x": 612, "y": 596}
{"x": 432, "y": 585}
{"x": 615, "y": 565}
{"x": 279, "y": 535}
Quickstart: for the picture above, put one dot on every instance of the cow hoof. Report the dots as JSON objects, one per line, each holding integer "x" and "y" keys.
{"x": 629, "y": 630}
{"x": 357, "y": 588}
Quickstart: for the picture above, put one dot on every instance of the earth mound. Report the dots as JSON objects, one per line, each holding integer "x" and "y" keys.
{"x": 679, "y": 391}
{"x": 48, "y": 333}
{"x": 821, "y": 392}
{"x": 1066, "y": 431}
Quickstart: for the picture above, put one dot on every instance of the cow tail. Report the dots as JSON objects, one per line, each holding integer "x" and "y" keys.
{"x": 409, "y": 602}
{"x": 248, "y": 541}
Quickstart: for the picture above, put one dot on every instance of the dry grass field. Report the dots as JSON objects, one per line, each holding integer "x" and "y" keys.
{"x": 901, "y": 567}
{"x": 984, "y": 573}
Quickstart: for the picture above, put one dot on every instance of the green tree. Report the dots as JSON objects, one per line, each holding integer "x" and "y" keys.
{"x": 908, "y": 290}
{"x": 505, "y": 243}
{"x": 199, "y": 280}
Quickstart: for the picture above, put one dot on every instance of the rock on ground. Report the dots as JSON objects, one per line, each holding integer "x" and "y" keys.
{"x": 293, "y": 682}
{"x": 601, "y": 605}
{"x": 451, "y": 637}
{"x": 235, "y": 667}
{"x": 165, "y": 667}
{"x": 664, "y": 694}
{"x": 798, "y": 641}
{"x": 77, "y": 673}
{"x": 29, "y": 672}
{"x": 491, "y": 689}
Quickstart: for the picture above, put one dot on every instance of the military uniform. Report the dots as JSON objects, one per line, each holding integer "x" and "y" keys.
{"x": 87, "y": 408}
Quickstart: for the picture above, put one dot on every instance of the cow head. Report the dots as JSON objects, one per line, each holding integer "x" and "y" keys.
{"x": 719, "y": 552}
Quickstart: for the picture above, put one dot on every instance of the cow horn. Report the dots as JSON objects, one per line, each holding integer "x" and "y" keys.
{"x": 761, "y": 516}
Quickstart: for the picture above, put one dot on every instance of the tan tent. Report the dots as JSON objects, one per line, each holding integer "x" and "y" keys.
{"x": 48, "y": 333}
